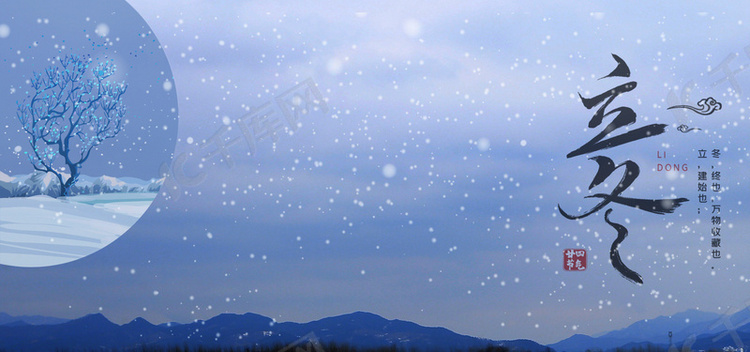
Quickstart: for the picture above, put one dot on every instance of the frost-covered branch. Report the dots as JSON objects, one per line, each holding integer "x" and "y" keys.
{"x": 68, "y": 115}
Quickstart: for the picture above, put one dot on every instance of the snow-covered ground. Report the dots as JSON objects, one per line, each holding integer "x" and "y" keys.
{"x": 42, "y": 231}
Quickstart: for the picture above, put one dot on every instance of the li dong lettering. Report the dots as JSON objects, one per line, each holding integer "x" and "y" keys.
{"x": 620, "y": 117}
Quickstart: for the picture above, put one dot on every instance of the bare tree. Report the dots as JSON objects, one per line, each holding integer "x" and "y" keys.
{"x": 69, "y": 113}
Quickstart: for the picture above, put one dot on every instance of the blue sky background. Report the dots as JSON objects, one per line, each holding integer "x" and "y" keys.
{"x": 475, "y": 105}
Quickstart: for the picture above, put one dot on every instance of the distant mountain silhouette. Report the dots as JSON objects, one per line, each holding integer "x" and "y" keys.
{"x": 359, "y": 329}
{"x": 700, "y": 330}
{"x": 29, "y": 319}
{"x": 694, "y": 329}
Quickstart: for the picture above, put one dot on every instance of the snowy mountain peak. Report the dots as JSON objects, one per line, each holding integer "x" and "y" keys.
{"x": 44, "y": 179}
{"x": 110, "y": 181}
{"x": 46, "y": 183}
{"x": 5, "y": 178}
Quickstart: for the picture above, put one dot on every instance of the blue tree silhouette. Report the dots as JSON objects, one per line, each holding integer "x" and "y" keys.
{"x": 68, "y": 114}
